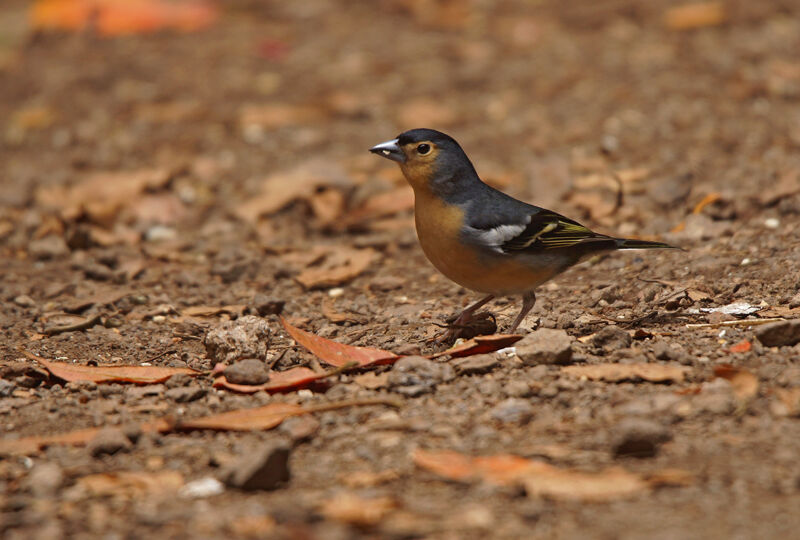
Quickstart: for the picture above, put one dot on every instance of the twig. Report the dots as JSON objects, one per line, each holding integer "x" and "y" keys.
{"x": 83, "y": 325}
{"x": 391, "y": 402}
{"x": 186, "y": 336}
{"x": 278, "y": 358}
{"x": 741, "y": 322}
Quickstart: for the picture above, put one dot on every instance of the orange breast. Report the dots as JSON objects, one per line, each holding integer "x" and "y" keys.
{"x": 439, "y": 230}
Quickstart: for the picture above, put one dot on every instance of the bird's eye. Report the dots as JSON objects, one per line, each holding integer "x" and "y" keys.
{"x": 423, "y": 149}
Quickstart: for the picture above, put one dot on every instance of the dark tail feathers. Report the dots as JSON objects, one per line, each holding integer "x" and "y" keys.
{"x": 626, "y": 243}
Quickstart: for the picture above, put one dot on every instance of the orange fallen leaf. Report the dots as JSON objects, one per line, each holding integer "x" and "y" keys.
{"x": 101, "y": 195}
{"x": 268, "y": 416}
{"x": 211, "y": 311}
{"x": 744, "y": 383}
{"x": 103, "y": 374}
{"x": 279, "y": 381}
{"x": 697, "y": 15}
{"x": 501, "y": 469}
{"x": 261, "y": 418}
{"x": 280, "y": 189}
{"x": 539, "y": 479}
{"x": 338, "y": 267}
{"x": 258, "y": 419}
{"x": 628, "y": 372}
{"x": 80, "y": 437}
{"x": 741, "y": 347}
{"x": 339, "y": 354}
{"x": 379, "y": 206}
{"x": 121, "y": 17}
{"x": 480, "y": 345}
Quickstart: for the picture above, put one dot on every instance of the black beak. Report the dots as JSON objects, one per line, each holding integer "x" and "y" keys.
{"x": 389, "y": 150}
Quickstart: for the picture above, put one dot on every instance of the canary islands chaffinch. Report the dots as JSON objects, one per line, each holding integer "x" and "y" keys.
{"x": 481, "y": 238}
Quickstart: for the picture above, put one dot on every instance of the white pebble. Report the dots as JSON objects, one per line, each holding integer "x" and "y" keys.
{"x": 338, "y": 291}
{"x": 202, "y": 487}
{"x": 305, "y": 393}
{"x": 746, "y": 261}
{"x": 772, "y": 223}
{"x": 158, "y": 319}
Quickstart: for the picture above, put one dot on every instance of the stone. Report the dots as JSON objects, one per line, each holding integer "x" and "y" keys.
{"x": 246, "y": 337}
{"x": 300, "y": 428}
{"x": 248, "y": 371}
{"x": 44, "y": 479}
{"x": 512, "y": 411}
{"x": 6, "y": 388}
{"x": 267, "y": 305}
{"x": 415, "y": 375}
{"x": 718, "y": 402}
{"x": 185, "y": 394}
{"x": 779, "y": 334}
{"x": 23, "y": 300}
{"x": 545, "y": 346}
{"x": 476, "y": 365}
{"x": 109, "y": 441}
{"x": 638, "y": 437}
{"x": 611, "y": 338}
{"x": 48, "y": 247}
{"x": 261, "y": 469}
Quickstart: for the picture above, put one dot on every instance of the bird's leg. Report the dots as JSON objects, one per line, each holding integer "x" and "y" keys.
{"x": 528, "y": 300}
{"x": 455, "y": 328}
{"x": 466, "y": 315}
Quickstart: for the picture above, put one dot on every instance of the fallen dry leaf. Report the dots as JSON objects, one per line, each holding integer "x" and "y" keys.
{"x": 539, "y": 479}
{"x": 121, "y": 17}
{"x": 211, "y": 311}
{"x": 257, "y": 419}
{"x": 128, "y": 484}
{"x": 332, "y": 314}
{"x": 379, "y": 206}
{"x": 480, "y": 345}
{"x": 628, "y": 372}
{"x": 502, "y": 469}
{"x": 744, "y": 383}
{"x": 567, "y": 485}
{"x": 697, "y": 15}
{"x": 107, "y": 374}
{"x": 101, "y": 195}
{"x": 338, "y": 267}
{"x": 283, "y": 187}
{"x": 261, "y": 418}
{"x": 741, "y": 347}
{"x": 339, "y": 354}
{"x": 355, "y": 510}
{"x": 279, "y": 381}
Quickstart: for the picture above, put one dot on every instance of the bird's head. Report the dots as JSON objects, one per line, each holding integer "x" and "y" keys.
{"x": 428, "y": 158}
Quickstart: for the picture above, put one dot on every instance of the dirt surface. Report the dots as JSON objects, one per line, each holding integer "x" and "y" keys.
{"x": 161, "y": 187}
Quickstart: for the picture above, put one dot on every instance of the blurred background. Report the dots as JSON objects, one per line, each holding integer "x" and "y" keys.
{"x": 565, "y": 104}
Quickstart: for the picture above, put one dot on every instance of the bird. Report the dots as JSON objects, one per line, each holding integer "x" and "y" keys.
{"x": 482, "y": 238}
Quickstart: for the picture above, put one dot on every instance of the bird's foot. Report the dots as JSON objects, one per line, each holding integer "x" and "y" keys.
{"x": 467, "y": 326}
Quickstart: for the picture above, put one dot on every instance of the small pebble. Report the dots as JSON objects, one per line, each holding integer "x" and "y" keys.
{"x": 109, "y": 441}
{"x": 512, "y": 411}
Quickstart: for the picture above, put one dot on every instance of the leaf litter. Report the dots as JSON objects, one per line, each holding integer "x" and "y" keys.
{"x": 538, "y": 478}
